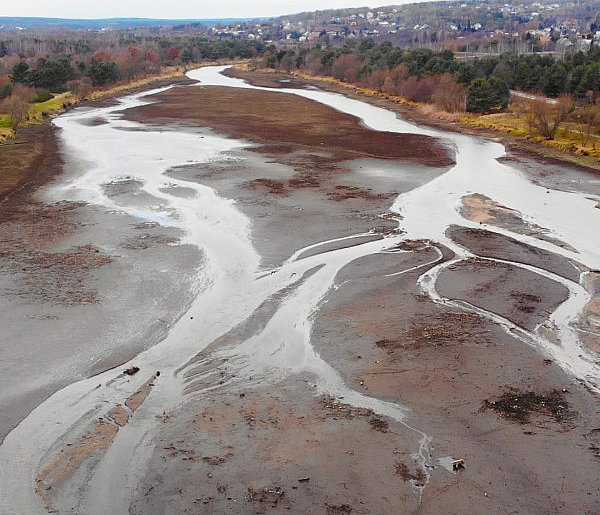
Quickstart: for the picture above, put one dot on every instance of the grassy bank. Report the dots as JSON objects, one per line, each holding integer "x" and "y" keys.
{"x": 568, "y": 140}
{"x": 5, "y": 130}
{"x": 37, "y": 113}
{"x": 173, "y": 72}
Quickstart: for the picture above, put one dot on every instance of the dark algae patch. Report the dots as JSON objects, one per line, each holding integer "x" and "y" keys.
{"x": 404, "y": 472}
{"x": 519, "y": 406}
{"x": 379, "y": 424}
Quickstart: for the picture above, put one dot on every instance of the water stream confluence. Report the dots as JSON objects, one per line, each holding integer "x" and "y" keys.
{"x": 232, "y": 286}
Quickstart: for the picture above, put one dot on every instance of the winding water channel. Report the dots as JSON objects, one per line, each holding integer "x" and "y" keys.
{"x": 232, "y": 285}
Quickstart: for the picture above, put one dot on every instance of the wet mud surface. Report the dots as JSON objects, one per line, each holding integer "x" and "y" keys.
{"x": 421, "y": 372}
{"x": 395, "y": 344}
{"x": 79, "y": 290}
{"x": 288, "y": 122}
{"x": 388, "y": 340}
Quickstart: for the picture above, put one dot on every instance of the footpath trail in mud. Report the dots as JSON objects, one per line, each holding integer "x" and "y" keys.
{"x": 329, "y": 363}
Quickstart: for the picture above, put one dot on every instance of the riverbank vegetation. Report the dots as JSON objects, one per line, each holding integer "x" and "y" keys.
{"x": 39, "y": 77}
{"x": 556, "y": 103}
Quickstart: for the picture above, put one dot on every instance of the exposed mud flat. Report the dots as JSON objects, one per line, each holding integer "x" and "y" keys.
{"x": 483, "y": 210}
{"x": 393, "y": 343}
{"x": 348, "y": 334}
{"x": 66, "y": 286}
{"x": 485, "y": 243}
{"x": 292, "y": 216}
{"x": 81, "y": 292}
{"x": 389, "y": 341}
{"x": 288, "y": 122}
{"x": 305, "y": 453}
{"x": 28, "y": 161}
{"x": 519, "y": 295}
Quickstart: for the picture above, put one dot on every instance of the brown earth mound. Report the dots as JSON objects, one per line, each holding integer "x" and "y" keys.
{"x": 288, "y": 120}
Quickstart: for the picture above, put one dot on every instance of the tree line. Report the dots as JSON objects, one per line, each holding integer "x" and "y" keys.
{"x": 423, "y": 75}
{"x": 24, "y": 79}
{"x": 30, "y": 68}
{"x": 112, "y": 63}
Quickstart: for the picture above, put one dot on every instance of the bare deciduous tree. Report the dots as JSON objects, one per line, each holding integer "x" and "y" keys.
{"x": 545, "y": 116}
{"x": 80, "y": 88}
{"x": 313, "y": 64}
{"x": 17, "y": 105}
{"x": 449, "y": 94}
{"x": 588, "y": 120}
{"x": 394, "y": 77}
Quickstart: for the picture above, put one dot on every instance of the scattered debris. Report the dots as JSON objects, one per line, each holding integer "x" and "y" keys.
{"x": 477, "y": 262}
{"x": 270, "y": 495}
{"x": 404, "y": 472}
{"x": 594, "y": 435}
{"x": 350, "y": 192}
{"x": 304, "y": 180}
{"x": 388, "y": 344}
{"x": 146, "y": 241}
{"x": 458, "y": 464}
{"x": 216, "y": 460}
{"x": 447, "y": 328}
{"x": 412, "y": 245}
{"x": 272, "y": 186}
{"x": 341, "y": 410}
{"x": 340, "y": 509}
{"x": 518, "y": 406}
{"x": 250, "y": 420}
{"x": 131, "y": 371}
{"x": 478, "y": 233}
{"x": 379, "y": 424}
{"x": 526, "y": 302}
{"x": 304, "y": 479}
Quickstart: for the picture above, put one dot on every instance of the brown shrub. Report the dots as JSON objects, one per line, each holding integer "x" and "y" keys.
{"x": 449, "y": 94}
{"x": 346, "y": 67}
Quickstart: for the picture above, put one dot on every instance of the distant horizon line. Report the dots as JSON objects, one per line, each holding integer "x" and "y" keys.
{"x": 134, "y": 18}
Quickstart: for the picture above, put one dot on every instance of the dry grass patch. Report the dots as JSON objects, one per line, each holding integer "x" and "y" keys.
{"x": 442, "y": 329}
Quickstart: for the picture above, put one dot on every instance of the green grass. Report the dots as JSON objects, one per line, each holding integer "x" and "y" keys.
{"x": 5, "y": 130}
{"x": 52, "y": 106}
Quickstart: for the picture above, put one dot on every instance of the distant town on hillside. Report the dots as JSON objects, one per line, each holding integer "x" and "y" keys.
{"x": 473, "y": 26}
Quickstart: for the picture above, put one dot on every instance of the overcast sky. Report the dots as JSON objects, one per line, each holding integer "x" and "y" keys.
{"x": 175, "y": 8}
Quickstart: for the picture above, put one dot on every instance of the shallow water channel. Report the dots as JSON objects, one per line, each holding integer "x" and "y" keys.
{"x": 231, "y": 284}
